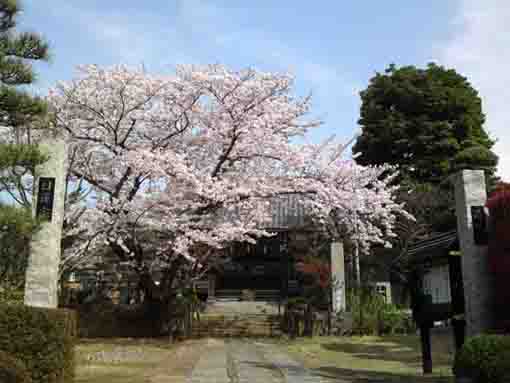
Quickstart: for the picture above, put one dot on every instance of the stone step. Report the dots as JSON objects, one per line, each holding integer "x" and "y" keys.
{"x": 236, "y": 325}
{"x": 236, "y": 294}
{"x": 240, "y": 326}
{"x": 247, "y": 335}
{"x": 231, "y": 330}
{"x": 229, "y": 316}
{"x": 221, "y": 325}
{"x": 209, "y": 328}
{"x": 251, "y": 325}
{"x": 219, "y": 334}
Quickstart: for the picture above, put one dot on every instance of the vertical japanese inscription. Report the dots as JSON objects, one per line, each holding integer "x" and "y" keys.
{"x": 45, "y": 197}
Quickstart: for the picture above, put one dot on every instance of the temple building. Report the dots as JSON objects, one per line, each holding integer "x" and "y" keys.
{"x": 269, "y": 269}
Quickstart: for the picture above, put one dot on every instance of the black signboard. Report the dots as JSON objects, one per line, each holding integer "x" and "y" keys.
{"x": 480, "y": 231}
{"x": 45, "y": 198}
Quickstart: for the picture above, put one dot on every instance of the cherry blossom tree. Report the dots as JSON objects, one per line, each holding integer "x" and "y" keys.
{"x": 182, "y": 166}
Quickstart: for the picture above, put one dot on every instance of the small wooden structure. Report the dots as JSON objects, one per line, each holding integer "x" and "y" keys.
{"x": 438, "y": 293}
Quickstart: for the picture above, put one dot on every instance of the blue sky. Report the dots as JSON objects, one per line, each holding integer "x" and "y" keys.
{"x": 332, "y": 47}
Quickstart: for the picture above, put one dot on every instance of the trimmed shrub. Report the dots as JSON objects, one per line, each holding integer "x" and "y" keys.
{"x": 103, "y": 319}
{"x": 12, "y": 370}
{"x": 485, "y": 359}
{"x": 43, "y": 339}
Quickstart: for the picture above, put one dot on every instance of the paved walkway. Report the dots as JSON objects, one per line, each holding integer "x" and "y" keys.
{"x": 247, "y": 361}
{"x": 212, "y": 365}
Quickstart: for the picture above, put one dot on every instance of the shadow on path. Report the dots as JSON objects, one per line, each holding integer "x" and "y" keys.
{"x": 390, "y": 353}
{"x": 345, "y": 375}
{"x": 401, "y": 349}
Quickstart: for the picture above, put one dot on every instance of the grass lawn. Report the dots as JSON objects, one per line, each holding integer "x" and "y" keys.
{"x": 389, "y": 359}
{"x": 133, "y": 361}
{"x": 374, "y": 359}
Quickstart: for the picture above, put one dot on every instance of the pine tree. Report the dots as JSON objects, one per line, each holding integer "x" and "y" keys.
{"x": 17, "y": 50}
{"x": 19, "y": 111}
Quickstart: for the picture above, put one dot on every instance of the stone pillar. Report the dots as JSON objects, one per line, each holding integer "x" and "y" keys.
{"x": 470, "y": 190}
{"x": 41, "y": 283}
{"x": 211, "y": 290}
{"x": 338, "y": 276}
{"x": 283, "y": 248}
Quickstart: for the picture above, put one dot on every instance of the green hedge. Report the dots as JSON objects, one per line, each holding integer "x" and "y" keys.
{"x": 11, "y": 295}
{"x": 103, "y": 319}
{"x": 12, "y": 370}
{"x": 485, "y": 359}
{"x": 43, "y": 339}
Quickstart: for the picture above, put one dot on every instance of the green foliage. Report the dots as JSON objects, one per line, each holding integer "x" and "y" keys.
{"x": 17, "y": 107}
{"x": 432, "y": 206}
{"x": 297, "y": 301}
{"x": 428, "y": 122}
{"x": 25, "y": 156}
{"x": 393, "y": 320}
{"x": 371, "y": 315}
{"x": 20, "y": 112}
{"x": 485, "y": 359}
{"x": 103, "y": 319}
{"x": 365, "y": 307}
{"x": 43, "y": 339}
{"x": 17, "y": 169}
{"x": 12, "y": 370}
{"x": 11, "y": 293}
{"x": 16, "y": 229}
{"x": 187, "y": 296}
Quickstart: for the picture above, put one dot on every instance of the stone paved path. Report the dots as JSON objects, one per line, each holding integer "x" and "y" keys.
{"x": 249, "y": 364}
{"x": 247, "y": 361}
{"x": 293, "y": 371}
{"x": 212, "y": 365}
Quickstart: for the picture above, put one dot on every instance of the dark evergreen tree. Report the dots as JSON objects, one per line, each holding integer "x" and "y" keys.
{"x": 19, "y": 111}
{"x": 427, "y": 122}
{"x": 17, "y": 50}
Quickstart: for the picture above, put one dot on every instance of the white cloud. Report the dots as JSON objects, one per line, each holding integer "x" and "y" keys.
{"x": 480, "y": 49}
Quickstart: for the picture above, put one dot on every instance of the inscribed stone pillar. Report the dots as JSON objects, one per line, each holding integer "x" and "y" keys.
{"x": 338, "y": 276}
{"x": 470, "y": 190}
{"x": 49, "y": 193}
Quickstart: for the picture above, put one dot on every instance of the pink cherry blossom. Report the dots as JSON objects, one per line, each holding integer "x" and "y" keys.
{"x": 193, "y": 160}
